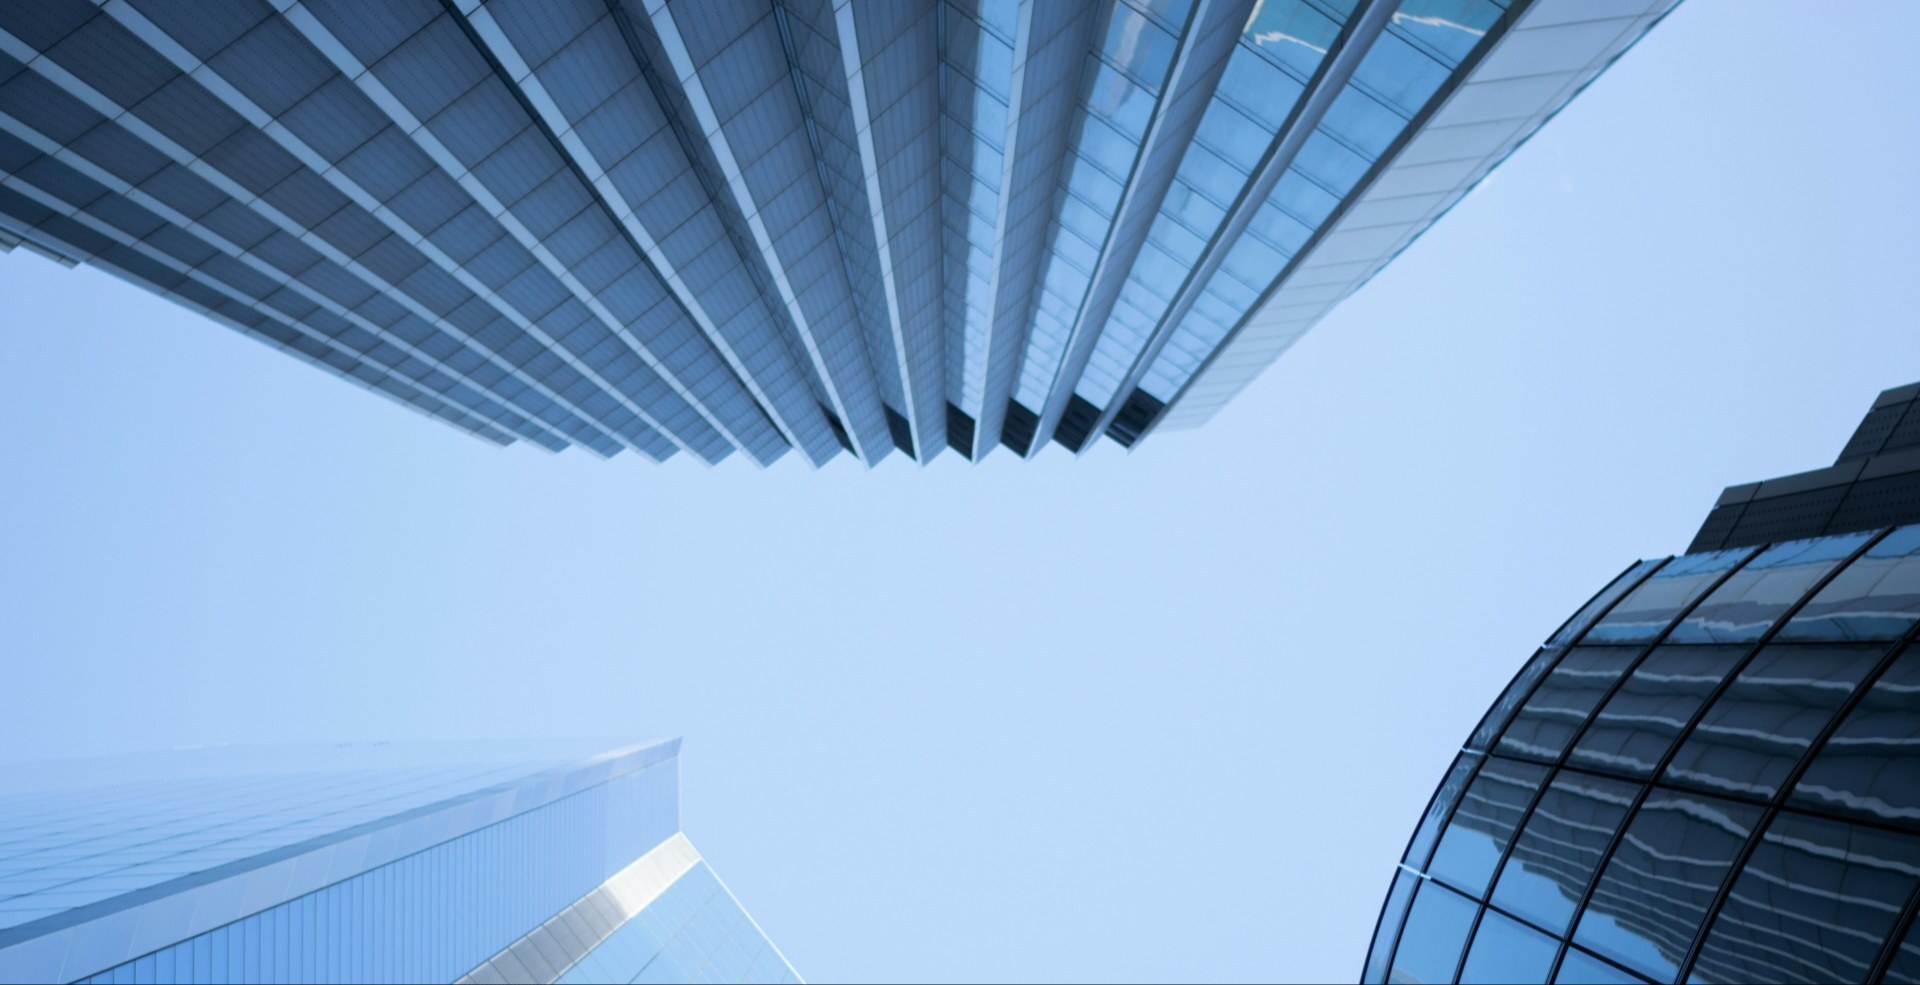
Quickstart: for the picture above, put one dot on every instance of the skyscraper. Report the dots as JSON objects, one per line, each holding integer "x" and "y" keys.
{"x": 1711, "y": 773}
{"x": 760, "y": 225}
{"x": 468, "y": 862}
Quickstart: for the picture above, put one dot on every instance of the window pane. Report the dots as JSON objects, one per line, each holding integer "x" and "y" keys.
{"x": 1549, "y": 719}
{"x": 1436, "y": 933}
{"x": 1641, "y": 721}
{"x": 1517, "y": 691}
{"x": 1421, "y": 847}
{"x": 1876, "y": 598}
{"x": 1746, "y": 605}
{"x": 1616, "y": 588}
{"x": 1644, "y": 613}
{"x": 1757, "y": 730}
{"x": 1391, "y": 917}
{"x": 1581, "y": 968}
{"x": 1560, "y": 848}
{"x": 1506, "y": 950}
{"x": 1484, "y": 824}
{"x": 1905, "y": 969}
{"x": 1656, "y": 888}
{"x": 1814, "y": 903}
{"x": 1871, "y": 766}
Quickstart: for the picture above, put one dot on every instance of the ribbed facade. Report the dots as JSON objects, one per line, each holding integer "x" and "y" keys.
{"x": 471, "y": 862}
{"x": 719, "y": 226}
{"x": 1711, "y": 773}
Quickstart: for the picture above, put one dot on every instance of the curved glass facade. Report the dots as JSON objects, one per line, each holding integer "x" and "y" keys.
{"x": 1710, "y": 774}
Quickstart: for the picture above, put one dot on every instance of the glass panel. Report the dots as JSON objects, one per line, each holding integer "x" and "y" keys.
{"x": 1510, "y": 699}
{"x": 1814, "y": 903}
{"x": 1746, "y": 605}
{"x": 1871, "y": 766}
{"x": 1443, "y": 800}
{"x": 1905, "y": 968}
{"x": 1549, "y": 719}
{"x": 1581, "y": 968}
{"x": 1484, "y": 824}
{"x": 1642, "y": 719}
{"x": 1876, "y": 598}
{"x": 1436, "y": 933}
{"x": 1656, "y": 888}
{"x": 1644, "y": 613}
{"x": 1560, "y": 848}
{"x": 1391, "y": 917}
{"x": 1506, "y": 950}
{"x": 1757, "y": 730}
{"x": 1598, "y": 604}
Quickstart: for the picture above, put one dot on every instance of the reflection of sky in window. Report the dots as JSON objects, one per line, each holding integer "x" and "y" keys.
{"x": 65, "y": 843}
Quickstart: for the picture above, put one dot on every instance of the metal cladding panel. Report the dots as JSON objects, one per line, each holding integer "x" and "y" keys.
{"x": 731, "y": 226}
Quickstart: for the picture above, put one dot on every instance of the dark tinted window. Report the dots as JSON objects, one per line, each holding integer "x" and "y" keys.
{"x": 1876, "y": 598}
{"x": 1748, "y": 603}
{"x": 1562, "y": 702}
{"x": 1484, "y": 824}
{"x": 1506, "y": 950}
{"x": 1641, "y": 721}
{"x": 1760, "y": 727}
{"x": 1655, "y": 890}
{"x": 1558, "y": 851}
{"x": 1435, "y": 935}
{"x": 1814, "y": 903}
{"x": 1871, "y": 765}
{"x": 1645, "y": 612}
{"x": 1905, "y": 968}
{"x": 1598, "y": 604}
{"x": 1517, "y": 691}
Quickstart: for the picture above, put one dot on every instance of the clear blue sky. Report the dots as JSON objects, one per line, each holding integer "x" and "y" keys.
{"x": 1168, "y": 715}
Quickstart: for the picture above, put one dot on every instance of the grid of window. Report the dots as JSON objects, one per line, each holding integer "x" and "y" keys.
{"x": 1712, "y": 773}
{"x": 718, "y": 227}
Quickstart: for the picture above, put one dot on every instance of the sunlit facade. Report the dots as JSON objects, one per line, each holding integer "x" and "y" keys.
{"x": 451, "y": 862}
{"x": 1711, "y": 773}
{"x": 719, "y": 226}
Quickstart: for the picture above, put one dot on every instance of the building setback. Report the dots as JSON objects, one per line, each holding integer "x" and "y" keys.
{"x": 1711, "y": 773}
{"x": 710, "y": 226}
{"x": 476, "y": 863}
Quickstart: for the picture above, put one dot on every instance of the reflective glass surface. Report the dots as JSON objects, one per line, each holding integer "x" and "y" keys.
{"x": 1506, "y": 950}
{"x": 1484, "y": 823}
{"x": 1654, "y": 892}
{"x": 1561, "y": 848}
{"x": 1758, "y": 729}
{"x": 1876, "y": 598}
{"x": 1721, "y": 805}
{"x": 1646, "y": 612}
{"x": 1632, "y": 733}
{"x": 726, "y": 227}
{"x": 1562, "y": 703}
{"x": 1870, "y": 767}
{"x": 1435, "y": 934}
{"x": 1748, "y": 603}
{"x": 1814, "y": 903}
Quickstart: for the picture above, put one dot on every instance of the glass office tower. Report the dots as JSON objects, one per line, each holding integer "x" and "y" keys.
{"x": 467, "y": 862}
{"x": 1711, "y": 773}
{"x": 719, "y": 226}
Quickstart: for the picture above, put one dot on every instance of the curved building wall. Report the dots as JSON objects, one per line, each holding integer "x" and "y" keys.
{"x": 1711, "y": 773}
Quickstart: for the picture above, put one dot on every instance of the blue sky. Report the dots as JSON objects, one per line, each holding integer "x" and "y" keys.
{"x": 1167, "y": 715}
